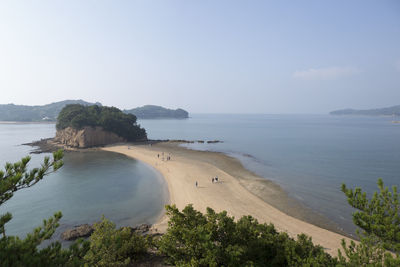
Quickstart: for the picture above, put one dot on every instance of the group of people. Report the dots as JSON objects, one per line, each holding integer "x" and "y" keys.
{"x": 168, "y": 157}
{"x": 213, "y": 180}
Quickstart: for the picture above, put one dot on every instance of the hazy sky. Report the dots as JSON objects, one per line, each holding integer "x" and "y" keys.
{"x": 204, "y": 56}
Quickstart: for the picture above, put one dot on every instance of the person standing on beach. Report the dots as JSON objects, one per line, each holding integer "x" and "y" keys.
{"x": 196, "y": 184}
{"x": 212, "y": 180}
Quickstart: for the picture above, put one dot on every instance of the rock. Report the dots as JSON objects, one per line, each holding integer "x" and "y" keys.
{"x": 86, "y": 137}
{"x": 141, "y": 229}
{"x": 84, "y": 230}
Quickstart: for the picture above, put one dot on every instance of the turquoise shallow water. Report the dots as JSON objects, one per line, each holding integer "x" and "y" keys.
{"x": 310, "y": 156}
{"x": 89, "y": 185}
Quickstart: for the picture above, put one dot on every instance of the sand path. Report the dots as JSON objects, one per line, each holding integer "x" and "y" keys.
{"x": 181, "y": 174}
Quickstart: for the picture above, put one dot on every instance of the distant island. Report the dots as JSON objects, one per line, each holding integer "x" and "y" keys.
{"x": 157, "y": 112}
{"x": 389, "y": 111}
{"x": 84, "y": 126}
{"x": 49, "y": 112}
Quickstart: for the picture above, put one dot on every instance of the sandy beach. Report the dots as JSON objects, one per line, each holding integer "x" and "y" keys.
{"x": 238, "y": 191}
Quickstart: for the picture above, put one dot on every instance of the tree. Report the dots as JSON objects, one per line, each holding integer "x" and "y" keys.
{"x": 16, "y": 177}
{"x": 379, "y": 221}
{"x": 114, "y": 247}
{"x": 24, "y": 252}
{"x": 216, "y": 239}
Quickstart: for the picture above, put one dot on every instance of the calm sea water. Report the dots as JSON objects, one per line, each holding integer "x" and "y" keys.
{"x": 310, "y": 156}
{"x": 89, "y": 185}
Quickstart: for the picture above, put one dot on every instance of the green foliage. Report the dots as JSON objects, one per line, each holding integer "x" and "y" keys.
{"x": 16, "y": 177}
{"x": 24, "y": 252}
{"x": 109, "y": 118}
{"x": 215, "y": 239}
{"x": 114, "y": 247}
{"x": 379, "y": 221}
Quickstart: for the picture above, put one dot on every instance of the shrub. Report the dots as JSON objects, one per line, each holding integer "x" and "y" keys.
{"x": 114, "y": 247}
{"x": 215, "y": 239}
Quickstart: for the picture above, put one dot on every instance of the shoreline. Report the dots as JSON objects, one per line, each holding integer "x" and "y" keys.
{"x": 239, "y": 191}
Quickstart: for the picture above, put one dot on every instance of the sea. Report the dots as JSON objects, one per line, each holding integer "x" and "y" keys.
{"x": 309, "y": 156}
{"x": 88, "y": 186}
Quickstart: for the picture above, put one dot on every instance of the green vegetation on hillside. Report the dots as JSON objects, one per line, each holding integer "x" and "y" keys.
{"x": 109, "y": 118}
{"x": 196, "y": 239}
{"x": 157, "y": 112}
{"x": 49, "y": 112}
{"x": 390, "y": 111}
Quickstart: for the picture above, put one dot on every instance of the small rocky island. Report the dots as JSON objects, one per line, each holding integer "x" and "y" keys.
{"x": 80, "y": 126}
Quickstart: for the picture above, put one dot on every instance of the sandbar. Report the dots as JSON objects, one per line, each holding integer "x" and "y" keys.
{"x": 238, "y": 191}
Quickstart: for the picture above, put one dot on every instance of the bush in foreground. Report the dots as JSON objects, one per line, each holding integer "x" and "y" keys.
{"x": 216, "y": 239}
{"x": 378, "y": 220}
{"x": 15, "y": 251}
{"x": 114, "y": 247}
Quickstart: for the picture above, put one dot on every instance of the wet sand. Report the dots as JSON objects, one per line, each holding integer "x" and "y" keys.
{"x": 238, "y": 191}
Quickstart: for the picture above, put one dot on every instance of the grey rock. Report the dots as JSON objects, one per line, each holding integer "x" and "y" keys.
{"x": 84, "y": 230}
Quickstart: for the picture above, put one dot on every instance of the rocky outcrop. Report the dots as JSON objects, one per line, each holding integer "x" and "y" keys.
{"x": 141, "y": 229}
{"x": 84, "y": 230}
{"x": 86, "y": 137}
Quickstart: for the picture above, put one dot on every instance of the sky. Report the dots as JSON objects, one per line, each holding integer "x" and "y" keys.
{"x": 203, "y": 56}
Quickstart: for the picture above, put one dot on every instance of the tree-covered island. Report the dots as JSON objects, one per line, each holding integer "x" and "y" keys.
{"x": 84, "y": 126}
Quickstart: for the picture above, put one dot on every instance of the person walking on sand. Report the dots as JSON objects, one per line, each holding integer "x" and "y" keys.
{"x": 196, "y": 184}
{"x": 212, "y": 180}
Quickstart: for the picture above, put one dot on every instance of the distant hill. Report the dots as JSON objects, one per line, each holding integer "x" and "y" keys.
{"x": 49, "y": 112}
{"x": 390, "y": 111}
{"x": 157, "y": 112}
